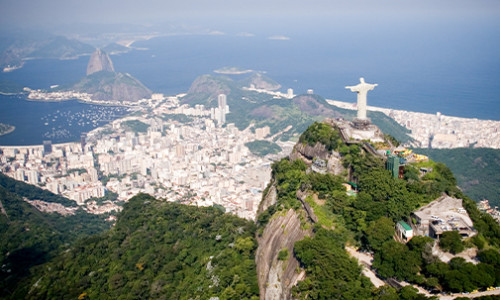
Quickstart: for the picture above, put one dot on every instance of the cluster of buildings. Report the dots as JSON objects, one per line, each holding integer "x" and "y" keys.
{"x": 64, "y": 169}
{"x": 484, "y": 206}
{"x": 199, "y": 162}
{"x": 56, "y": 96}
{"x": 440, "y": 131}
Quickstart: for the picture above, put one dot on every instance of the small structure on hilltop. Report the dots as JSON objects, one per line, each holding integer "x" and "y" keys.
{"x": 404, "y": 232}
{"x": 443, "y": 214}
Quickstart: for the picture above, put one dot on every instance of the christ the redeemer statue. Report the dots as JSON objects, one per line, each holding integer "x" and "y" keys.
{"x": 362, "y": 89}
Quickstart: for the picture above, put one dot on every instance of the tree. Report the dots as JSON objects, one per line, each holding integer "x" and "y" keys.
{"x": 379, "y": 232}
{"x": 396, "y": 260}
{"x": 451, "y": 241}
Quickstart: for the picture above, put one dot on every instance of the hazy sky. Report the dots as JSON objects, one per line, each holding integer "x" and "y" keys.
{"x": 56, "y": 12}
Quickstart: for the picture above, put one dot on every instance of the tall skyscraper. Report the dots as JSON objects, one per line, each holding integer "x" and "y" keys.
{"x": 222, "y": 110}
{"x": 222, "y": 101}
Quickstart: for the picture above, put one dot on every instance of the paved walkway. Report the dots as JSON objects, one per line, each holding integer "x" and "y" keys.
{"x": 366, "y": 263}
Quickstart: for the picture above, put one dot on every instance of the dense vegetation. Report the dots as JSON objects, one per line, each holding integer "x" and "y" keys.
{"x": 262, "y": 148}
{"x": 476, "y": 170}
{"x": 332, "y": 274}
{"x": 369, "y": 219}
{"x": 29, "y": 237}
{"x": 157, "y": 250}
{"x": 136, "y": 126}
{"x": 323, "y": 134}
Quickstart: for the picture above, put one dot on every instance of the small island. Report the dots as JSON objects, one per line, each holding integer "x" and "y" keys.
{"x": 6, "y": 129}
{"x": 232, "y": 71}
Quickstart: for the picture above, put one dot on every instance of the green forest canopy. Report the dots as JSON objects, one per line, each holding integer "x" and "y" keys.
{"x": 157, "y": 249}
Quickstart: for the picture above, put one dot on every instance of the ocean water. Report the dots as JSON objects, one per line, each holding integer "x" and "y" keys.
{"x": 59, "y": 122}
{"x": 455, "y": 73}
{"x": 447, "y": 67}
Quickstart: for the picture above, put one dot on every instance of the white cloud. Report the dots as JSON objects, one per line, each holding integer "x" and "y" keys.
{"x": 245, "y": 34}
{"x": 278, "y": 38}
{"x": 216, "y": 32}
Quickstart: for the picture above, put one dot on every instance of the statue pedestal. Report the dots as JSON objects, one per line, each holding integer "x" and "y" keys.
{"x": 361, "y": 124}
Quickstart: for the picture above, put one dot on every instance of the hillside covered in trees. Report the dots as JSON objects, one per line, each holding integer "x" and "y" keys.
{"x": 29, "y": 237}
{"x": 158, "y": 250}
{"x": 368, "y": 221}
{"x": 476, "y": 170}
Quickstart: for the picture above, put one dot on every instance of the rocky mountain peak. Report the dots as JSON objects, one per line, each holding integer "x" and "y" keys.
{"x": 99, "y": 61}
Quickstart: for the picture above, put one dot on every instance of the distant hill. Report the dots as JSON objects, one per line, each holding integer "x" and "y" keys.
{"x": 62, "y": 48}
{"x": 259, "y": 81}
{"x": 105, "y": 84}
{"x": 21, "y": 45}
{"x": 112, "y": 86}
{"x": 476, "y": 170}
{"x": 262, "y": 109}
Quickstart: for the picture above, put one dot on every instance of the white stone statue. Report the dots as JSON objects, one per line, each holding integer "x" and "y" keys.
{"x": 362, "y": 89}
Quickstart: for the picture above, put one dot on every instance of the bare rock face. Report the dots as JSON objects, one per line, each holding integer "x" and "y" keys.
{"x": 277, "y": 277}
{"x": 99, "y": 61}
{"x": 307, "y": 152}
{"x": 268, "y": 200}
{"x": 335, "y": 165}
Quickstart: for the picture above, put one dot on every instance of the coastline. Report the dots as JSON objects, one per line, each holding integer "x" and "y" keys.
{"x": 429, "y": 130}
